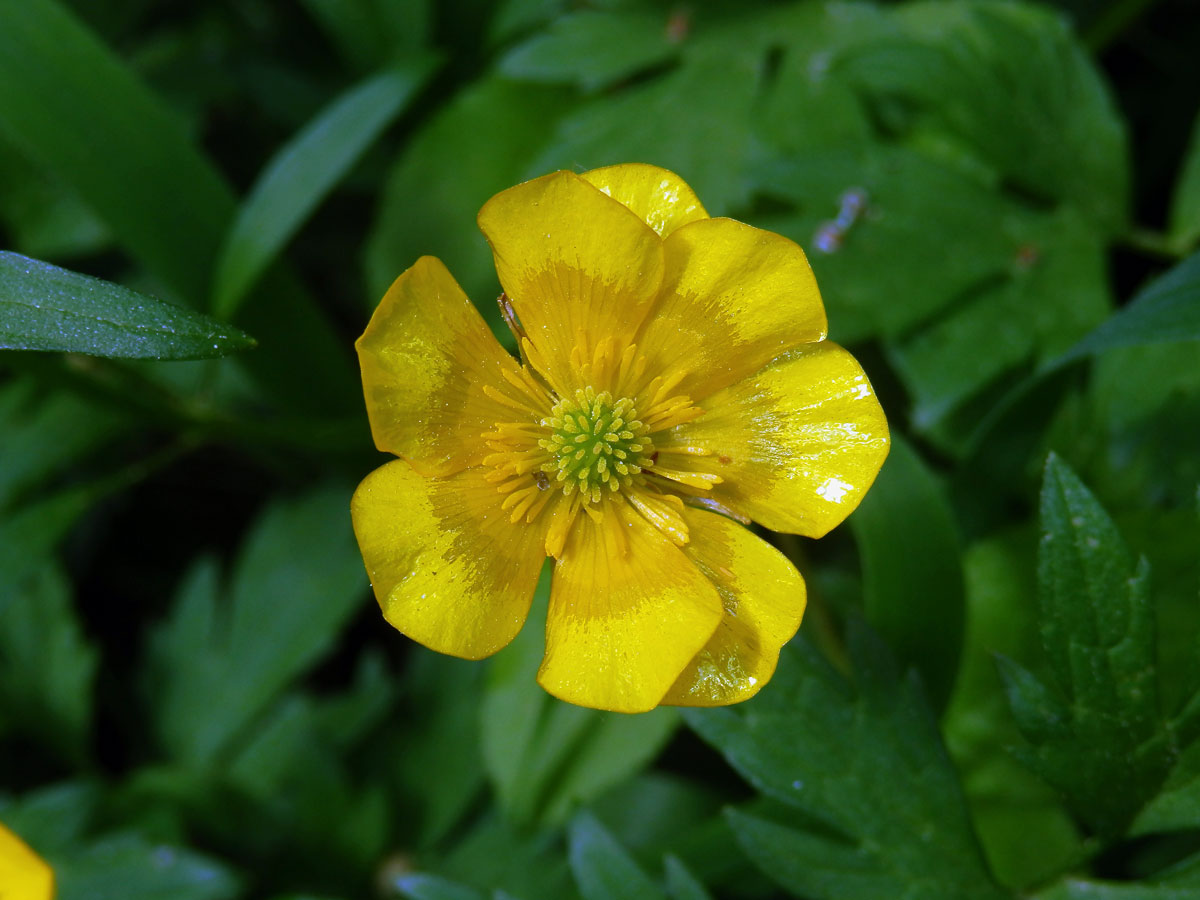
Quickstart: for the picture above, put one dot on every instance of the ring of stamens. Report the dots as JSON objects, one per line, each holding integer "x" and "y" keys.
{"x": 595, "y": 442}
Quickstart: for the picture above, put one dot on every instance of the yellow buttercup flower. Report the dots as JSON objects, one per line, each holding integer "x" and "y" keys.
{"x": 673, "y": 368}
{"x": 23, "y": 874}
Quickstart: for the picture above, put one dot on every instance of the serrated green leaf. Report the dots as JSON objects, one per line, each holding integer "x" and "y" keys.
{"x": 43, "y": 307}
{"x": 834, "y": 754}
{"x": 47, "y": 666}
{"x": 303, "y": 171}
{"x": 591, "y": 49}
{"x": 1185, "y": 201}
{"x": 546, "y": 757}
{"x": 603, "y": 869}
{"x": 1026, "y": 834}
{"x": 681, "y": 883}
{"x": 694, "y": 120}
{"x": 282, "y": 613}
{"x": 912, "y": 577}
{"x": 1012, "y": 82}
{"x": 1098, "y": 733}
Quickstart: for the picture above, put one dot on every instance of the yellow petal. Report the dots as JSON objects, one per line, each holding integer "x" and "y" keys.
{"x": 447, "y": 566}
{"x": 797, "y": 444}
{"x": 661, "y": 198}
{"x": 578, "y": 266}
{"x": 627, "y": 612}
{"x": 23, "y": 874}
{"x": 426, "y": 356}
{"x": 764, "y": 599}
{"x": 733, "y": 298}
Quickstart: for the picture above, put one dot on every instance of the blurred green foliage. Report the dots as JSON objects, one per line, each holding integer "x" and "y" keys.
{"x": 993, "y": 694}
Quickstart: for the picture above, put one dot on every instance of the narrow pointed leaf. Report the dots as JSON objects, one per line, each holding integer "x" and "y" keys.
{"x": 43, "y": 307}
{"x": 303, "y": 173}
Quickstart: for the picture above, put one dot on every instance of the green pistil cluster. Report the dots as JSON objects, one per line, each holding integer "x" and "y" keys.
{"x": 595, "y": 443}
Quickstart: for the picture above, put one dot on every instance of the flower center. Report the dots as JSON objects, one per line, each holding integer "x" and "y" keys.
{"x": 595, "y": 442}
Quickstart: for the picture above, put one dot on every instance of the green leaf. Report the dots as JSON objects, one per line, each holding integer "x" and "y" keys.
{"x": 591, "y": 49}
{"x": 695, "y": 120}
{"x": 1015, "y": 85}
{"x": 546, "y": 757}
{"x": 603, "y": 869}
{"x": 1185, "y": 202}
{"x": 43, "y": 307}
{"x": 832, "y": 755}
{"x": 1054, "y": 292}
{"x": 29, "y": 535}
{"x": 442, "y": 179}
{"x": 1166, "y": 310}
{"x": 912, "y": 577}
{"x": 281, "y": 614}
{"x": 433, "y": 887}
{"x": 370, "y": 33}
{"x": 440, "y": 716}
{"x": 47, "y": 666}
{"x": 1177, "y": 807}
{"x": 42, "y": 217}
{"x": 53, "y": 819}
{"x": 1097, "y": 731}
{"x": 303, "y": 172}
{"x": 921, "y": 215}
{"x": 496, "y": 855}
{"x": 127, "y": 867}
{"x": 67, "y": 94}
{"x": 681, "y": 883}
{"x": 43, "y": 434}
{"x": 1026, "y": 834}
{"x": 1083, "y": 889}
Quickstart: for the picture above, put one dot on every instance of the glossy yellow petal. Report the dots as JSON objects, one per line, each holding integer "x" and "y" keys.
{"x": 426, "y": 358}
{"x": 662, "y": 199}
{"x": 797, "y": 444}
{"x": 578, "y": 266}
{"x": 764, "y": 599}
{"x": 627, "y": 612}
{"x": 733, "y": 298}
{"x": 23, "y": 874}
{"x": 447, "y": 565}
